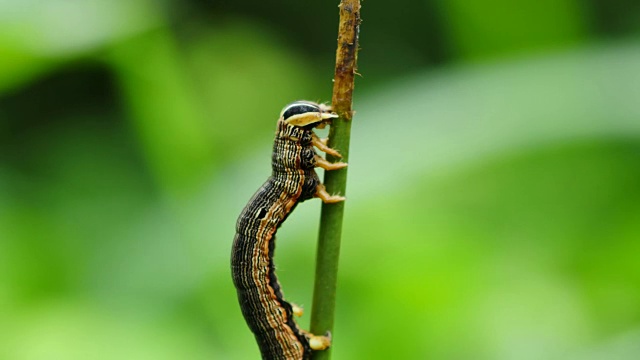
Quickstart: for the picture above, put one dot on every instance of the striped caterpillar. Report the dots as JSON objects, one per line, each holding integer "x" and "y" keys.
{"x": 293, "y": 180}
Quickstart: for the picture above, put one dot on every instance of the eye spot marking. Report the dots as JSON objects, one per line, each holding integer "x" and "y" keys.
{"x": 261, "y": 213}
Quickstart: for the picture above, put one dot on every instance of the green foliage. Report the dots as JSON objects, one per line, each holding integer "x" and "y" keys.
{"x": 493, "y": 211}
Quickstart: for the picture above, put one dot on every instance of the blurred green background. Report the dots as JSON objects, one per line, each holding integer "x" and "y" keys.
{"x": 493, "y": 210}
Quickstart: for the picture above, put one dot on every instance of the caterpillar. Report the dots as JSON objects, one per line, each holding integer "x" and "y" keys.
{"x": 293, "y": 180}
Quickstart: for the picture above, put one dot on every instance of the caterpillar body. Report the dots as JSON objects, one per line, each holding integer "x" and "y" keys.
{"x": 293, "y": 180}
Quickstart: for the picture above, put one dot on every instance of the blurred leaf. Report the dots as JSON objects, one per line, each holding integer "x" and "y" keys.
{"x": 37, "y": 35}
{"x": 458, "y": 116}
{"x": 481, "y": 28}
{"x": 75, "y": 331}
{"x": 164, "y": 109}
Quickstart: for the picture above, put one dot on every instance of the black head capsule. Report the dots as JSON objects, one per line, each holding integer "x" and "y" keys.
{"x": 299, "y": 107}
{"x": 303, "y": 113}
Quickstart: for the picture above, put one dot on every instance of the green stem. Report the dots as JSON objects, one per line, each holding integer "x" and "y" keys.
{"x": 324, "y": 293}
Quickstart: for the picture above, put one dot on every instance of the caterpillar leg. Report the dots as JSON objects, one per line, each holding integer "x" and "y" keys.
{"x": 322, "y": 193}
{"x": 321, "y": 162}
{"x": 321, "y": 144}
{"x": 320, "y": 342}
{"x": 297, "y": 310}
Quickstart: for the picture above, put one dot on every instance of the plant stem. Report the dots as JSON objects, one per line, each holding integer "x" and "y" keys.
{"x": 324, "y": 292}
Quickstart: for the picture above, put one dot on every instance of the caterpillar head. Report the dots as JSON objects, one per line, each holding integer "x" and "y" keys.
{"x": 302, "y": 113}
